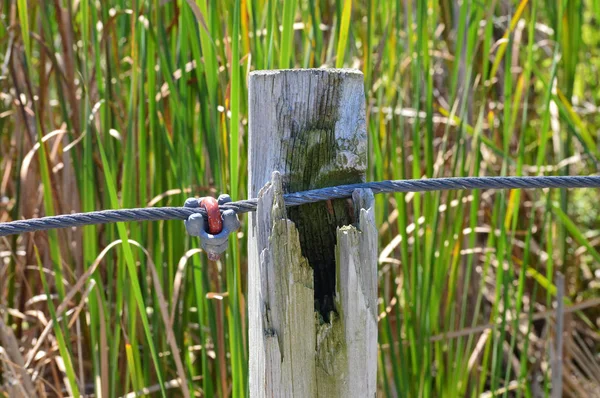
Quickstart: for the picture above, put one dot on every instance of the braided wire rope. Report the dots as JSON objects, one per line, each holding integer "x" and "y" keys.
{"x": 299, "y": 198}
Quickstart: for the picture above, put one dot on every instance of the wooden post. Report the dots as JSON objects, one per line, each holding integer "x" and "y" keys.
{"x": 312, "y": 269}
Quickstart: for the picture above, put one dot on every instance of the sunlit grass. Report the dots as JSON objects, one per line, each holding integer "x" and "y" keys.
{"x": 152, "y": 96}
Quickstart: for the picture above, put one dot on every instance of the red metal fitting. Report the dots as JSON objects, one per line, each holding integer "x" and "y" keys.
{"x": 215, "y": 222}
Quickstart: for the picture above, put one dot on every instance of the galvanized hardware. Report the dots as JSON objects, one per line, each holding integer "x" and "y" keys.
{"x": 197, "y": 225}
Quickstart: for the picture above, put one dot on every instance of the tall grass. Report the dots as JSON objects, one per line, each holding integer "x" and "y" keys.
{"x": 129, "y": 103}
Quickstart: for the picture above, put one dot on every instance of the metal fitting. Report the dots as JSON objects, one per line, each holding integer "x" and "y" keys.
{"x": 198, "y": 225}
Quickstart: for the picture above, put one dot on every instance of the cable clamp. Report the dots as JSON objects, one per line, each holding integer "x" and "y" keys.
{"x": 213, "y": 230}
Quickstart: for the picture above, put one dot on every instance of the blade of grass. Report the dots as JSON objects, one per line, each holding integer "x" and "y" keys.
{"x": 287, "y": 42}
{"x": 132, "y": 271}
{"x": 58, "y": 332}
{"x": 343, "y": 34}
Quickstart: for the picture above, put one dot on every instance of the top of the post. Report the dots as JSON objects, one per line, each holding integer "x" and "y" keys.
{"x": 342, "y": 71}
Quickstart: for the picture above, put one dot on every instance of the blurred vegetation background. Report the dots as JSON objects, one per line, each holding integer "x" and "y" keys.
{"x": 132, "y": 103}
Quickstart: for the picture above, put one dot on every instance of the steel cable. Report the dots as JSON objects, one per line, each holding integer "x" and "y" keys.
{"x": 299, "y": 198}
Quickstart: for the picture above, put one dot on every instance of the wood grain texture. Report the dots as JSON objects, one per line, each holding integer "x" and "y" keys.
{"x": 310, "y": 126}
{"x": 312, "y": 269}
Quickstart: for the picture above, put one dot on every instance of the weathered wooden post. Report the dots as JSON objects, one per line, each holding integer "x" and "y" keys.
{"x": 312, "y": 277}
